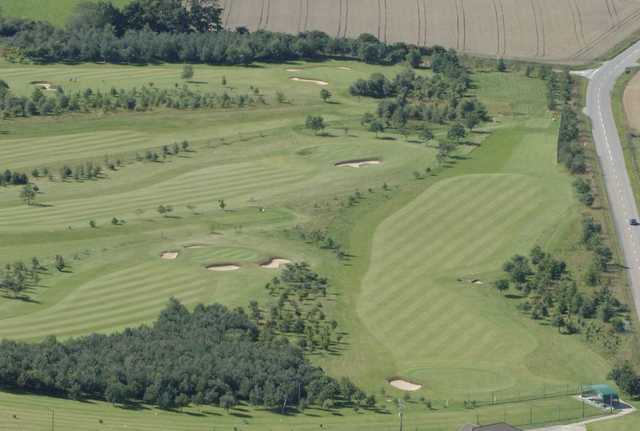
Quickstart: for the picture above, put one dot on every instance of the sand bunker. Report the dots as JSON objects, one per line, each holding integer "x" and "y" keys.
{"x": 44, "y": 85}
{"x": 403, "y": 385}
{"x": 169, "y": 255}
{"x": 294, "y": 70}
{"x": 275, "y": 263}
{"x": 315, "y": 81}
{"x": 223, "y": 267}
{"x": 344, "y": 68}
{"x": 358, "y": 163}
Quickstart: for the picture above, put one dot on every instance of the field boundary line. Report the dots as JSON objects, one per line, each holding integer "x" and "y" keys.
{"x": 535, "y": 21}
{"x": 457, "y": 24}
{"x": 419, "y": 21}
{"x": 261, "y": 14}
{"x": 386, "y": 20}
{"x": 339, "y": 18}
{"x": 580, "y": 19}
{"x": 268, "y": 13}
{"x": 543, "y": 41}
{"x": 495, "y": 13}
{"x": 593, "y": 43}
{"x": 615, "y": 12}
{"x": 464, "y": 25}
{"x": 426, "y": 21}
{"x": 346, "y": 18}
{"x": 574, "y": 19}
{"x": 613, "y": 23}
{"x": 227, "y": 11}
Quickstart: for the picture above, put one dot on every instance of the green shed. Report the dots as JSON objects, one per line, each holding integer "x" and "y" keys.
{"x": 601, "y": 393}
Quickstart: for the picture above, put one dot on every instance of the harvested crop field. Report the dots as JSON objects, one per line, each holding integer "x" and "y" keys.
{"x": 631, "y": 100}
{"x": 562, "y": 30}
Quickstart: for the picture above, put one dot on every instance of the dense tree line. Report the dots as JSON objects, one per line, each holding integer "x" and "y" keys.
{"x": 146, "y": 98}
{"x": 160, "y": 16}
{"x": 211, "y": 355}
{"x": 570, "y": 151}
{"x": 147, "y": 34}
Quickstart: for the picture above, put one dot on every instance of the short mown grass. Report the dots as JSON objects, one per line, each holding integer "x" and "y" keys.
{"x": 397, "y": 297}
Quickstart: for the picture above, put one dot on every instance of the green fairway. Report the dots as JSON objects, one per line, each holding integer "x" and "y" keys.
{"x": 55, "y": 12}
{"x": 403, "y": 298}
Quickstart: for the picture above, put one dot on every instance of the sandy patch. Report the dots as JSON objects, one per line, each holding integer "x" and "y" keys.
{"x": 403, "y": 385}
{"x": 294, "y": 70}
{"x": 344, "y": 68}
{"x": 44, "y": 85}
{"x": 223, "y": 267}
{"x": 314, "y": 81}
{"x": 358, "y": 163}
{"x": 169, "y": 255}
{"x": 476, "y": 281}
{"x": 275, "y": 263}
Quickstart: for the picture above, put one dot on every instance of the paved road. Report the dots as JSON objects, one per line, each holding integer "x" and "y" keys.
{"x": 605, "y": 134}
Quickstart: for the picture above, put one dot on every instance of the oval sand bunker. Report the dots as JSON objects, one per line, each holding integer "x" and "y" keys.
{"x": 294, "y": 70}
{"x": 223, "y": 267}
{"x": 358, "y": 163}
{"x": 275, "y": 263}
{"x": 169, "y": 255}
{"x": 403, "y": 385}
{"x": 314, "y": 81}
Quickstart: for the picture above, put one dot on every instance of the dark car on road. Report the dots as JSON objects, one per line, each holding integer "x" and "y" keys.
{"x": 633, "y": 222}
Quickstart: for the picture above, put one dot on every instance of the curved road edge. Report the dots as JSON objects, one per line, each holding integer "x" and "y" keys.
{"x": 609, "y": 149}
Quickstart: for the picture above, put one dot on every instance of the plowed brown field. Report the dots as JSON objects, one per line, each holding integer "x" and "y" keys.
{"x": 570, "y": 31}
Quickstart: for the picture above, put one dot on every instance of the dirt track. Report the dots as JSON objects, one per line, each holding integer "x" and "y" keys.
{"x": 571, "y": 31}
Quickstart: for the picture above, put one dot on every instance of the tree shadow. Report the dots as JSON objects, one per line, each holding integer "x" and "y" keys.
{"x": 197, "y": 82}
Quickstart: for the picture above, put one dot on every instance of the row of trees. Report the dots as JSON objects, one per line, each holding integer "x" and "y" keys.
{"x": 174, "y": 16}
{"x": 95, "y": 40}
{"x": 212, "y": 355}
{"x": 9, "y": 177}
{"x": 570, "y": 151}
{"x": 146, "y": 98}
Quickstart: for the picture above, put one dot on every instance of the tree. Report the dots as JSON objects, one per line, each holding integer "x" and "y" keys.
{"x": 28, "y": 194}
{"x": 501, "y": 66}
{"x": 414, "y": 58}
{"x": 227, "y": 401}
{"x": 315, "y": 123}
{"x": 187, "y": 71}
{"x": 456, "y": 133}
{"x": 502, "y": 285}
{"x": 162, "y": 210}
{"x": 377, "y": 127}
{"x": 60, "y": 263}
{"x": 92, "y": 224}
{"x": 626, "y": 378}
{"x": 325, "y": 95}
{"x": 222, "y": 204}
{"x": 426, "y": 135}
